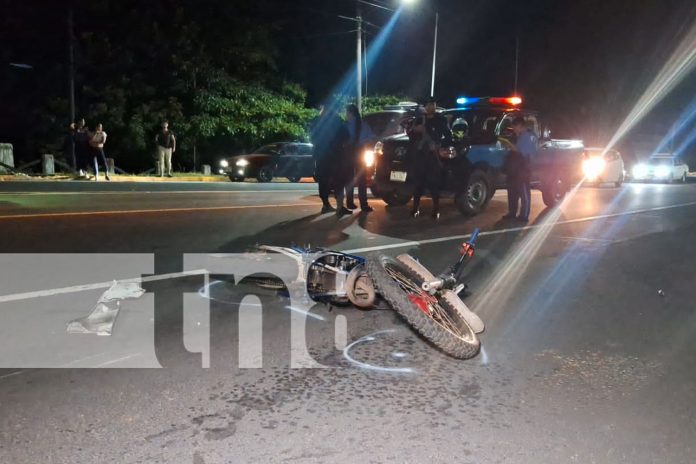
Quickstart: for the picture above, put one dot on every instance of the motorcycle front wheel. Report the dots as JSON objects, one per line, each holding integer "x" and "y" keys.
{"x": 435, "y": 317}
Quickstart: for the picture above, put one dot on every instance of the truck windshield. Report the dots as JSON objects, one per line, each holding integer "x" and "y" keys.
{"x": 481, "y": 122}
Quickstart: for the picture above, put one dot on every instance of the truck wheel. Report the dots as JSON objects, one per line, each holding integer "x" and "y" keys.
{"x": 552, "y": 192}
{"x": 472, "y": 200}
{"x": 394, "y": 198}
{"x": 294, "y": 179}
{"x": 265, "y": 175}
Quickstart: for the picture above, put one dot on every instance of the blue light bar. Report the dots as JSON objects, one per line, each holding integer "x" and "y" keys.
{"x": 467, "y": 100}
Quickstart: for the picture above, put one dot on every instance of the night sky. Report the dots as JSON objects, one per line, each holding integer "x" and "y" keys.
{"x": 583, "y": 63}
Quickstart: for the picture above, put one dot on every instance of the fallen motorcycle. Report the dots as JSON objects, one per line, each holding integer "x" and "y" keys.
{"x": 431, "y": 304}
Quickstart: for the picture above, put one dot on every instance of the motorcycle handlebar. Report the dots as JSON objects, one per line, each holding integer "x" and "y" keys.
{"x": 474, "y": 236}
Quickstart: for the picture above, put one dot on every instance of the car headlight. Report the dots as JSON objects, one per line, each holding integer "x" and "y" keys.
{"x": 593, "y": 167}
{"x": 662, "y": 171}
{"x": 241, "y": 163}
{"x": 379, "y": 149}
{"x": 640, "y": 170}
{"x": 224, "y": 163}
{"x": 369, "y": 158}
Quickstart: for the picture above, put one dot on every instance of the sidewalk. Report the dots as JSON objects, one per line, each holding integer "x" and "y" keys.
{"x": 178, "y": 177}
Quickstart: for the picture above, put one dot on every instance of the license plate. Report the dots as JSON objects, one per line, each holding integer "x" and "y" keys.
{"x": 397, "y": 176}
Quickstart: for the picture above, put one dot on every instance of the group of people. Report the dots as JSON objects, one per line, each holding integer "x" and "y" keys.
{"x": 89, "y": 148}
{"x": 338, "y": 145}
{"x": 337, "y": 149}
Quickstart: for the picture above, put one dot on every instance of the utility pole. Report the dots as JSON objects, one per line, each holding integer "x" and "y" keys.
{"x": 71, "y": 77}
{"x": 517, "y": 60}
{"x": 359, "y": 60}
{"x": 432, "y": 82}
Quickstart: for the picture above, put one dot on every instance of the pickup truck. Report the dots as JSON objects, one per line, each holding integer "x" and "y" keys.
{"x": 482, "y": 139}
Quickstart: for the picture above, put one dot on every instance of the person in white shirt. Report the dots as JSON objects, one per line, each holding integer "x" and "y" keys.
{"x": 97, "y": 141}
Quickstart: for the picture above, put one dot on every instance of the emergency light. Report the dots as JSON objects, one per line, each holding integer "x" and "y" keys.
{"x": 501, "y": 101}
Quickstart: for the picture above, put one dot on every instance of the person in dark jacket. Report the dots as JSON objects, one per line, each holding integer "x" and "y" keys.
{"x": 81, "y": 138}
{"x": 517, "y": 170}
{"x": 430, "y": 132}
{"x": 330, "y": 138}
{"x": 356, "y": 171}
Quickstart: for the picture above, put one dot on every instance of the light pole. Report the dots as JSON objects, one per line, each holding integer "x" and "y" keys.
{"x": 437, "y": 21}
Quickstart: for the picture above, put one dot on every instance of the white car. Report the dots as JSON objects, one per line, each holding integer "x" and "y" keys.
{"x": 661, "y": 167}
{"x": 603, "y": 166}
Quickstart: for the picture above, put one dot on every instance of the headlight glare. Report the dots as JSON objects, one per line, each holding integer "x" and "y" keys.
{"x": 224, "y": 163}
{"x": 242, "y": 163}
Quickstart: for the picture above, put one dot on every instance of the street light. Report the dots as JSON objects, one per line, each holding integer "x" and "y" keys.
{"x": 437, "y": 21}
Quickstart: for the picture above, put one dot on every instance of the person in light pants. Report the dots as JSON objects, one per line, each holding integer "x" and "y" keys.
{"x": 166, "y": 145}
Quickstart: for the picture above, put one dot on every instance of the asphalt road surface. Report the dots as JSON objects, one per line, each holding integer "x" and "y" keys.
{"x": 587, "y": 355}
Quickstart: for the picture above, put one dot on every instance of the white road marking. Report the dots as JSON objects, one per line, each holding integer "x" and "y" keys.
{"x": 144, "y": 211}
{"x": 95, "y": 286}
{"x": 100, "y": 285}
{"x": 114, "y": 361}
{"x": 512, "y": 229}
{"x": 12, "y": 374}
{"x": 156, "y": 192}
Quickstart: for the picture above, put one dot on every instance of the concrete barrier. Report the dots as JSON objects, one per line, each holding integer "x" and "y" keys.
{"x": 48, "y": 167}
{"x": 110, "y": 165}
{"x": 6, "y": 156}
{"x": 206, "y": 169}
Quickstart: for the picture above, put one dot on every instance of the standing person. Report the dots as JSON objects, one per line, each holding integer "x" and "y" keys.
{"x": 330, "y": 137}
{"x": 517, "y": 168}
{"x": 166, "y": 145}
{"x": 81, "y": 138}
{"x": 359, "y": 134}
{"x": 429, "y": 133}
{"x": 97, "y": 142}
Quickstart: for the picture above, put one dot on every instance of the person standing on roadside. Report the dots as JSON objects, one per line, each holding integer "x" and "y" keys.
{"x": 97, "y": 142}
{"x": 166, "y": 146}
{"x": 330, "y": 137}
{"x": 81, "y": 137}
{"x": 430, "y": 132}
{"x": 517, "y": 169}
{"x": 358, "y": 133}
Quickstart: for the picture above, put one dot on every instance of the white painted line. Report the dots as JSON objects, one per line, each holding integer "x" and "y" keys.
{"x": 12, "y": 374}
{"x": 114, "y": 361}
{"x": 95, "y": 286}
{"x": 145, "y": 211}
{"x": 154, "y": 192}
{"x": 513, "y": 229}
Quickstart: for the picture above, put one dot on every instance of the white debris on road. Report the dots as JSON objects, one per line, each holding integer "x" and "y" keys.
{"x": 101, "y": 319}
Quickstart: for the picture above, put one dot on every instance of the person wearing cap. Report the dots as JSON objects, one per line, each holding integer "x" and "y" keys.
{"x": 429, "y": 133}
{"x": 517, "y": 169}
{"x": 166, "y": 145}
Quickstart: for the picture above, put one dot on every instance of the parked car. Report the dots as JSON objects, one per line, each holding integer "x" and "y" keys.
{"x": 663, "y": 167}
{"x": 292, "y": 160}
{"x": 481, "y": 129}
{"x": 603, "y": 166}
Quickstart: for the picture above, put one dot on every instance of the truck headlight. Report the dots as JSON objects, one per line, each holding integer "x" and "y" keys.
{"x": 593, "y": 167}
{"x": 224, "y": 163}
{"x": 379, "y": 149}
{"x": 369, "y": 158}
{"x": 242, "y": 163}
{"x": 662, "y": 171}
{"x": 640, "y": 171}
